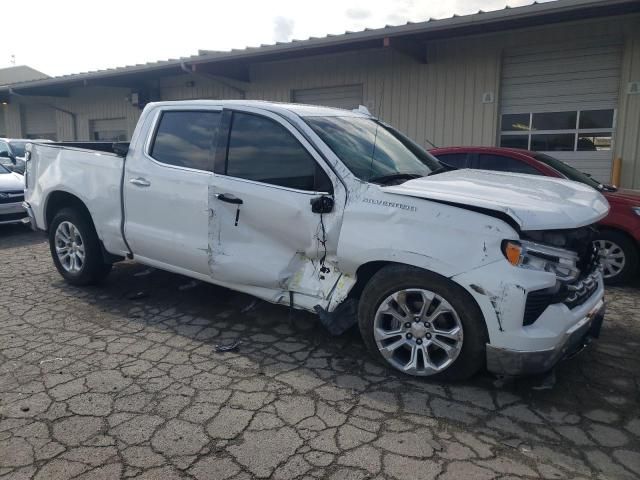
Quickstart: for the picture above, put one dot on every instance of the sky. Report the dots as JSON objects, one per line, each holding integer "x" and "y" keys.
{"x": 72, "y": 36}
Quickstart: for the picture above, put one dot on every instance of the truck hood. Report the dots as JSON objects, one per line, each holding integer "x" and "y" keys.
{"x": 533, "y": 202}
{"x": 10, "y": 182}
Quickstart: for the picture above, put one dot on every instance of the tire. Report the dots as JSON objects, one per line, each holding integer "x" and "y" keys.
{"x": 417, "y": 287}
{"x": 79, "y": 229}
{"x": 618, "y": 255}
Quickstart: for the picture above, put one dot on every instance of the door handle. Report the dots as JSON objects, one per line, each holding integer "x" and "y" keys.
{"x": 227, "y": 197}
{"x": 140, "y": 182}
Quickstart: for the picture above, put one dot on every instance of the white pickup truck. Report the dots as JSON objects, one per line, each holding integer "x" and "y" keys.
{"x": 445, "y": 271}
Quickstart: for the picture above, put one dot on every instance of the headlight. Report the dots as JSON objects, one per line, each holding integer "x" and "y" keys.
{"x": 636, "y": 210}
{"x": 534, "y": 256}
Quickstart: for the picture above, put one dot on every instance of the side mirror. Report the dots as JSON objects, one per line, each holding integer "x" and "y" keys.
{"x": 4, "y": 154}
{"x": 322, "y": 204}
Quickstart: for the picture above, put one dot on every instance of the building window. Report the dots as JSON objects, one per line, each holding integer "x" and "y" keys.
{"x": 567, "y": 131}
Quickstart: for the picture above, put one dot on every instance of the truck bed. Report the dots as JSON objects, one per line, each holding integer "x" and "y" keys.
{"x": 95, "y": 177}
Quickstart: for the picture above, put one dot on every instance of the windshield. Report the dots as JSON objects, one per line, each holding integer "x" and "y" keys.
{"x": 371, "y": 150}
{"x": 567, "y": 170}
{"x": 18, "y": 148}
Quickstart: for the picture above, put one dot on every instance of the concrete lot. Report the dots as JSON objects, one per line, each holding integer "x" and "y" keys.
{"x": 95, "y": 383}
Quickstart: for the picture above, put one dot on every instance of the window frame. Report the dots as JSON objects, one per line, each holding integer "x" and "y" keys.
{"x": 576, "y": 132}
{"x": 151, "y": 140}
{"x": 221, "y": 161}
{"x": 474, "y": 161}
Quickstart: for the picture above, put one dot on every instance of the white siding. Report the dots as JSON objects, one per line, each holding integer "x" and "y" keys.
{"x": 343, "y": 96}
{"x": 39, "y": 121}
{"x": 3, "y": 121}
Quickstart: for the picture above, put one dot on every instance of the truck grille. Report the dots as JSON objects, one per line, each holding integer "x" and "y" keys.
{"x": 572, "y": 295}
{"x": 12, "y": 197}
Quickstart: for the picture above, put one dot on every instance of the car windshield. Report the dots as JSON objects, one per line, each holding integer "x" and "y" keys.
{"x": 568, "y": 171}
{"x": 373, "y": 151}
{"x": 18, "y": 148}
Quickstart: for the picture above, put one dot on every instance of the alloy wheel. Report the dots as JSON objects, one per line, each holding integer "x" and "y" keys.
{"x": 418, "y": 332}
{"x": 69, "y": 247}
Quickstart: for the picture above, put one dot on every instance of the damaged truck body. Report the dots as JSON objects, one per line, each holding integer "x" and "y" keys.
{"x": 444, "y": 271}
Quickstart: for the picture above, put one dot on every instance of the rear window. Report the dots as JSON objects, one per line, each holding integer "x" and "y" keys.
{"x": 187, "y": 139}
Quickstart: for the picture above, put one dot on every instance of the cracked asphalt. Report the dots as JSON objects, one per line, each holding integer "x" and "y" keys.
{"x": 122, "y": 381}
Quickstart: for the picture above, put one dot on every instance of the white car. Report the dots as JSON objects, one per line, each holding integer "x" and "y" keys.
{"x": 11, "y": 197}
{"x": 337, "y": 213}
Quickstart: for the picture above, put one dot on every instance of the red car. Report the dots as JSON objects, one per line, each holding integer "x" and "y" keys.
{"x": 619, "y": 235}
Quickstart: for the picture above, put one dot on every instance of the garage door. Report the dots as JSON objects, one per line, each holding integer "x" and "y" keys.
{"x": 39, "y": 121}
{"x": 108, "y": 130}
{"x": 561, "y": 99}
{"x": 346, "y": 96}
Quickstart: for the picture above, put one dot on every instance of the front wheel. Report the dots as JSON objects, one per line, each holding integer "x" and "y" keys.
{"x": 75, "y": 248}
{"x": 422, "y": 324}
{"x": 618, "y": 256}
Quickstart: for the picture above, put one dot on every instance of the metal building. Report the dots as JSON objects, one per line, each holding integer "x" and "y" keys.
{"x": 561, "y": 77}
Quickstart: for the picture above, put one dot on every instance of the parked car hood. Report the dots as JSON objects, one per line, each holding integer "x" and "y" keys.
{"x": 631, "y": 197}
{"x": 11, "y": 182}
{"x": 533, "y": 202}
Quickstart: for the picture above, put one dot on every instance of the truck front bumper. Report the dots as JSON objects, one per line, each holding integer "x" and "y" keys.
{"x": 504, "y": 361}
{"x": 13, "y": 213}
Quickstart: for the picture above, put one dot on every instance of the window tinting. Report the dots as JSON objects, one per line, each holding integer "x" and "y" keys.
{"x": 555, "y": 121}
{"x": 262, "y": 150}
{"x": 590, "y": 119}
{"x": 557, "y": 142}
{"x": 515, "y": 141}
{"x": 187, "y": 139}
{"x": 516, "y": 122}
{"x": 501, "y": 163}
{"x": 458, "y": 160}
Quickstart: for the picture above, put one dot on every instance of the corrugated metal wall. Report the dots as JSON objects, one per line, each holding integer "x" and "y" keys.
{"x": 451, "y": 100}
{"x": 440, "y": 101}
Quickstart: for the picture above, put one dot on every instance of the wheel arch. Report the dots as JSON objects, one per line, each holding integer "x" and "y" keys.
{"x": 366, "y": 272}
{"x": 59, "y": 199}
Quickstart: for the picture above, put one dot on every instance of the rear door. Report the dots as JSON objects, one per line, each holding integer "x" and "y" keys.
{"x": 265, "y": 232}
{"x": 166, "y": 189}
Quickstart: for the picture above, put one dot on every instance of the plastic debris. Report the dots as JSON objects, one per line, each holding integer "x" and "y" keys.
{"x": 137, "y": 295}
{"x": 143, "y": 272}
{"x": 227, "y": 347}
{"x": 188, "y": 286}
{"x": 250, "y": 306}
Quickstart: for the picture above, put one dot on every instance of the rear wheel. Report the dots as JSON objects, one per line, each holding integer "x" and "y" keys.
{"x": 618, "y": 256}
{"x": 422, "y": 324}
{"x": 75, "y": 248}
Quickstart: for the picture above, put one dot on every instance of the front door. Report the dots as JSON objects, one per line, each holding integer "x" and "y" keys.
{"x": 166, "y": 191}
{"x": 277, "y": 209}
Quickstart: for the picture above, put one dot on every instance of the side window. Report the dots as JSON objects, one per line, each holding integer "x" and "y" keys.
{"x": 500, "y": 163}
{"x": 4, "y": 159}
{"x": 262, "y": 150}
{"x": 458, "y": 160}
{"x": 187, "y": 139}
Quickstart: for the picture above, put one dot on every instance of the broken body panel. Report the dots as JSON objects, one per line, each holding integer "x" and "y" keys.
{"x": 272, "y": 245}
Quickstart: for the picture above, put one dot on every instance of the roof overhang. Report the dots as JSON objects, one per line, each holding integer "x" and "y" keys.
{"x": 409, "y": 38}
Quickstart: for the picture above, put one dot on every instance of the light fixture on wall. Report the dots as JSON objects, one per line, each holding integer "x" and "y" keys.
{"x": 634, "y": 88}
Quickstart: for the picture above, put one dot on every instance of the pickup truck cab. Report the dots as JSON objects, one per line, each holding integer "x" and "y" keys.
{"x": 336, "y": 213}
